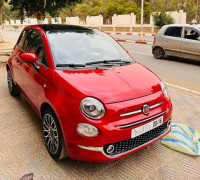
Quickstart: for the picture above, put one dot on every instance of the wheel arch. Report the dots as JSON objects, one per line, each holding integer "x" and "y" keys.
{"x": 44, "y": 106}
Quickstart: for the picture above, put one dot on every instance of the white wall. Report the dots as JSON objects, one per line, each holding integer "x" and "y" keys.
{"x": 128, "y": 20}
{"x": 73, "y": 20}
{"x": 56, "y": 20}
{"x": 94, "y": 20}
{"x": 178, "y": 16}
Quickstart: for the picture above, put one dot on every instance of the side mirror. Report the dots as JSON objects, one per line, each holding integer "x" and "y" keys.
{"x": 28, "y": 57}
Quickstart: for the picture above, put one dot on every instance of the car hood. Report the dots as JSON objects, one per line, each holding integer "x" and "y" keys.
{"x": 108, "y": 85}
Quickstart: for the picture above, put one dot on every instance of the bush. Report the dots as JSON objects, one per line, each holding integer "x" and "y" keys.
{"x": 16, "y": 26}
{"x": 161, "y": 19}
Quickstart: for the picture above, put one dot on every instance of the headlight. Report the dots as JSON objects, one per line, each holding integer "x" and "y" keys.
{"x": 164, "y": 89}
{"x": 92, "y": 108}
{"x": 87, "y": 130}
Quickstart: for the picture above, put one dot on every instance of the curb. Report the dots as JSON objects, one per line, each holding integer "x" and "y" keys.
{"x": 17, "y": 30}
{"x": 183, "y": 89}
{"x": 130, "y": 34}
{"x": 134, "y": 41}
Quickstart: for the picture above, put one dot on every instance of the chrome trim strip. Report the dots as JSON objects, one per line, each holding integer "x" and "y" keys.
{"x": 91, "y": 148}
{"x": 156, "y": 105}
{"x": 131, "y": 113}
{"x": 100, "y": 149}
{"x": 143, "y": 120}
{"x": 140, "y": 110}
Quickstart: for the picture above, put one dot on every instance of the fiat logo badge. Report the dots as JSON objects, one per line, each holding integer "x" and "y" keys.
{"x": 145, "y": 109}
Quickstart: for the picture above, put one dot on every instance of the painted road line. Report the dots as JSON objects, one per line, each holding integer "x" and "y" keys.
{"x": 130, "y": 34}
{"x": 140, "y": 53}
{"x": 134, "y": 41}
{"x": 183, "y": 89}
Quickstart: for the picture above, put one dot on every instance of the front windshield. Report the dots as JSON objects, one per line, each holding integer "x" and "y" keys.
{"x": 84, "y": 46}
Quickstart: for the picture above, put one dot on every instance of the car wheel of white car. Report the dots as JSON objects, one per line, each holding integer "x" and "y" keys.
{"x": 158, "y": 53}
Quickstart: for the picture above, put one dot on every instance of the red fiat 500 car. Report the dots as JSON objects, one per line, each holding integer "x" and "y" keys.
{"x": 96, "y": 102}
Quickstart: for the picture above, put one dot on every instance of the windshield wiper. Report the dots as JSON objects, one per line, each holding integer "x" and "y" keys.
{"x": 70, "y": 65}
{"x": 114, "y": 61}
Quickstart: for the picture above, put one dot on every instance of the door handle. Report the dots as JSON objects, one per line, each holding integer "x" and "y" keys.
{"x": 17, "y": 62}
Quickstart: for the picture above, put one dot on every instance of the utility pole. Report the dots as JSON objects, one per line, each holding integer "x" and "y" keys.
{"x": 196, "y": 16}
{"x": 142, "y": 18}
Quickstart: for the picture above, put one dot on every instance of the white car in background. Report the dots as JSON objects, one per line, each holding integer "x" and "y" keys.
{"x": 178, "y": 40}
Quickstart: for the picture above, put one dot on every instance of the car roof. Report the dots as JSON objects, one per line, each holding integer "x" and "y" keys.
{"x": 183, "y": 25}
{"x": 61, "y": 27}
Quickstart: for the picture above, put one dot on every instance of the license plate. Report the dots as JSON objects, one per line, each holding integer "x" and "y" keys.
{"x": 147, "y": 127}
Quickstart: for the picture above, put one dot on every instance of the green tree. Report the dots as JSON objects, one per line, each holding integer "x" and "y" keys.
{"x": 188, "y": 6}
{"x": 90, "y": 8}
{"x": 122, "y": 7}
{"x": 8, "y": 14}
{"x": 109, "y": 7}
{"x": 1, "y": 11}
{"x": 161, "y": 19}
{"x": 39, "y": 7}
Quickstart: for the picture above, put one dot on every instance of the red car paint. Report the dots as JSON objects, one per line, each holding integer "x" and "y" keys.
{"x": 121, "y": 89}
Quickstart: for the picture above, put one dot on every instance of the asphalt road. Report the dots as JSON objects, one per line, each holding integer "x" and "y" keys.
{"x": 10, "y": 35}
{"x": 184, "y": 73}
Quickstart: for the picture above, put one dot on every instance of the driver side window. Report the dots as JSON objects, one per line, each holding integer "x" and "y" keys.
{"x": 34, "y": 43}
{"x": 191, "y": 34}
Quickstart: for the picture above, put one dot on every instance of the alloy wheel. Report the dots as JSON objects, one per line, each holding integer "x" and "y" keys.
{"x": 50, "y": 133}
{"x": 10, "y": 81}
{"x": 158, "y": 53}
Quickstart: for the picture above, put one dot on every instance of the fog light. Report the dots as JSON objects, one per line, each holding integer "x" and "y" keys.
{"x": 110, "y": 149}
{"x": 87, "y": 130}
{"x": 169, "y": 123}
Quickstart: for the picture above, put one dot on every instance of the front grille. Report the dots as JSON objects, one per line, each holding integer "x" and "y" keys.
{"x": 143, "y": 120}
{"x": 130, "y": 144}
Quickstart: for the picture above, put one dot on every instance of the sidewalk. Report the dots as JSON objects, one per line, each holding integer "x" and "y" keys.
{"x": 22, "y": 149}
{"x": 5, "y": 48}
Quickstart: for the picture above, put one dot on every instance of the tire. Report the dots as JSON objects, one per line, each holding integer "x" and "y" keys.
{"x": 158, "y": 53}
{"x": 53, "y": 136}
{"x": 11, "y": 86}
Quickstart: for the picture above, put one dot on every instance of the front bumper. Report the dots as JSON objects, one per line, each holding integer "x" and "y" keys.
{"x": 116, "y": 130}
{"x": 121, "y": 148}
{"x": 130, "y": 145}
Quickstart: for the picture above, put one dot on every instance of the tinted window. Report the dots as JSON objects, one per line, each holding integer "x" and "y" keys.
{"x": 21, "y": 39}
{"x": 174, "y": 31}
{"x": 83, "y": 46}
{"x": 34, "y": 43}
{"x": 192, "y": 34}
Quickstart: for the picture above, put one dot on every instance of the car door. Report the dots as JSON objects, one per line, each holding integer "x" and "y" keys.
{"x": 18, "y": 49}
{"x": 29, "y": 76}
{"x": 172, "y": 40}
{"x": 190, "y": 47}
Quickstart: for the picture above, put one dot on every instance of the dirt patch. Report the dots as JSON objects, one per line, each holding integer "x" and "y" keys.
{"x": 5, "y": 49}
{"x": 7, "y": 45}
{"x": 2, "y": 65}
